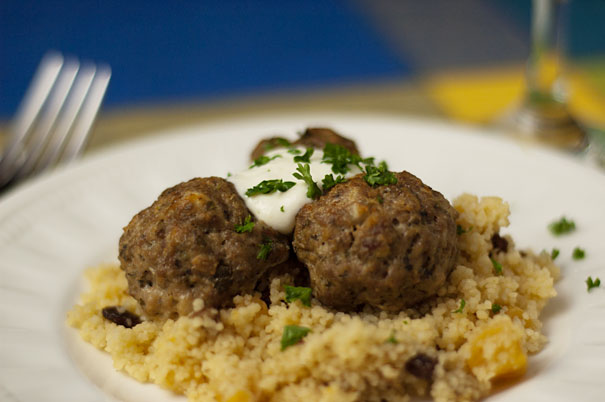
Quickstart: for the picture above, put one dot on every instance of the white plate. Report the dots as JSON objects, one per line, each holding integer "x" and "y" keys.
{"x": 62, "y": 223}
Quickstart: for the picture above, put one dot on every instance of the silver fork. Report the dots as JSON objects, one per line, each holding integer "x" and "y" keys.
{"x": 54, "y": 119}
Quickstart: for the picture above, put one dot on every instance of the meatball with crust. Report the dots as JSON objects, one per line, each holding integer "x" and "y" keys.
{"x": 319, "y": 137}
{"x": 185, "y": 246}
{"x": 312, "y": 138}
{"x": 389, "y": 246}
{"x": 267, "y": 145}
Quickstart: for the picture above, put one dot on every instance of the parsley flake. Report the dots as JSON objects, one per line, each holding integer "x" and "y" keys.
{"x": 554, "y": 254}
{"x": 292, "y": 335}
{"x": 247, "y": 226}
{"x": 294, "y": 151}
{"x": 379, "y": 199}
{"x": 263, "y": 160}
{"x": 496, "y": 308}
{"x": 590, "y": 284}
{"x": 265, "y": 249}
{"x": 497, "y": 266}
{"x": 313, "y": 192}
{"x": 461, "y": 308}
{"x": 379, "y": 175}
{"x": 460, "y": 230}
{"x": 392, "y": 339}
{"x": 282, "y": 209}
{"x": 578, "y": 254}
{"x": 306, "y": 157}
{"x": 562, "y": 226}
{"x": 329, "y": 181}
{"x": 270, "y": 186}
{"x": 340, "y": 158}
{"x": 298, "y": 293}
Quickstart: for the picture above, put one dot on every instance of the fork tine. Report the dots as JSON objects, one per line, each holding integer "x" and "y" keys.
{"x": 68, "y": 116}
{"x": 38, "y": 139}
{"x": 87, "y": 115}
{"x": 28, "y": 111}
{"x": 55, "y": 117}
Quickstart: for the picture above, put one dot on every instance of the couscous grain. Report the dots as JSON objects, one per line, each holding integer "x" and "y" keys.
{"x": 443, "y": 349}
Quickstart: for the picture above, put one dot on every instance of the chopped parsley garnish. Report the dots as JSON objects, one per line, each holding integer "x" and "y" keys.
{"x": 496, "y": 308}
{"x": 270, "y": 186}
{"x": 247, "y": 226}
{"x": 292, "y": 335}
{"x": 497, "y": 266}
{"x": 306, "y": 157}
{"x": 578, "y": 254}
{"x": 392, "y": 339}
{"x": 461, "y": 308}
{"x": 379, "y": 175}
{"x": 379, "y": 199}
{"x": 313, "y": 192}
{"x": 282, "y": 209}
{"x": 263, "y": 160}
{"x": 295, "y": 151}
{"x": 460, "y": 230}
{"x": 298, "y": 293}
{"x": 405, "y": 322}
{"x": 340, "y": 158}
{"x": 590, "y": 284}
{"x": 562, "y": 226}
{"x": 228, "y": 174}
{"x": 554, "y": 254}
{"x": 329, "y": 181}
{"x": 265, "y": 249}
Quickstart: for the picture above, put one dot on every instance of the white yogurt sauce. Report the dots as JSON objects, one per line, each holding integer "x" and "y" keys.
{"x": 278, "y": 209}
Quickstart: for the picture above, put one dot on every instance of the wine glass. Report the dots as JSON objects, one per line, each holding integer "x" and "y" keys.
{"x": 543, "y": 115}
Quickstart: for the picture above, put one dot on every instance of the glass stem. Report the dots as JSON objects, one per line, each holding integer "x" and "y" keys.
{"x": 544, "y": 65}
{"x": 543, "y": 115}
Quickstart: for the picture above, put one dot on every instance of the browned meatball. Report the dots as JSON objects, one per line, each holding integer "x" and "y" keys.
{"x": 268, "y": 144}
{"x": 185, "y": 246}
{"x": 312, "y": 137}
{"x": 319, "y": 137}
{"x": 388, "y": 246}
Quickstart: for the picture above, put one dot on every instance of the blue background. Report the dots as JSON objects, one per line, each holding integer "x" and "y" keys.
{"x": 163, "y": 51}
{"x": 178, "y": 51}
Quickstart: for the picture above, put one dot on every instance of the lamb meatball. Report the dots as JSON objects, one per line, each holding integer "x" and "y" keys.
{"x": 389, "y": 246}
{"x": 312, "y": 137}
{"x": 267, "y": 145}
{"x": 185, "y": 246}
{"x": 319, "y": 137}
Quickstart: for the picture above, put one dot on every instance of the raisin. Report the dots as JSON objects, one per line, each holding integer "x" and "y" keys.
{"x": 499, "y": 243}
{"x": 119, "y": 315}
{"x": 266, "y": 296}
{"x": 421, "y": 366}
